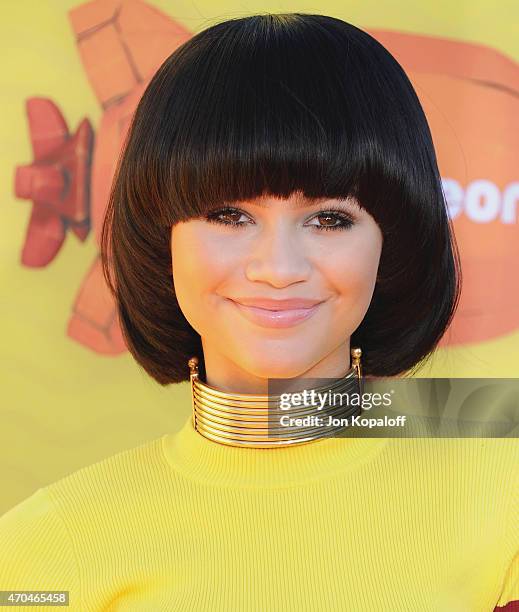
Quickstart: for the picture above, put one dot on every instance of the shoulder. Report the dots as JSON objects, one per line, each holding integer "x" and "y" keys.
{"x": 48, "y": 539}
{"x": 136, "y": 471}
{"x": 37, "y": 509}
{"x": 92, "y": 491}
{"x": 468, "y": 453}
{"x": 36, "y": 552}
{"x": 474, "y": 471}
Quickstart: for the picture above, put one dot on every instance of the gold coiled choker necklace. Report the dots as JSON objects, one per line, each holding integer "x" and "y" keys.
{"x": 260, "y": 421}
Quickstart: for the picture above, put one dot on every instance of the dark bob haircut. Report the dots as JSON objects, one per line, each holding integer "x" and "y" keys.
{"x": 272, "y": 104}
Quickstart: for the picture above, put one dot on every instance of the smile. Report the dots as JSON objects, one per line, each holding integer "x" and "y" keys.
{"x": 275, "y": 318}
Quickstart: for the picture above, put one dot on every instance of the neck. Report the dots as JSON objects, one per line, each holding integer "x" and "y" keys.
{"x": 226, "y": 375}
{"x": 262, "y": 420}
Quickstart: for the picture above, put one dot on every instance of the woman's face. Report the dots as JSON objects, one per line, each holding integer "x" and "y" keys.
{"x": 280, "y": 250}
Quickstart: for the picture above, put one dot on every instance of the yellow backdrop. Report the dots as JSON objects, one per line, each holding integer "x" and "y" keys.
{"x": 62, "y": 405}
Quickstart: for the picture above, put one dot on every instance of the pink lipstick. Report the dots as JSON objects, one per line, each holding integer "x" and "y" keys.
{"x": 277, "y": 313}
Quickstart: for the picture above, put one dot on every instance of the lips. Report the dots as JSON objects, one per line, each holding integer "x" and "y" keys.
{"x": 276, "y": 313}
{"x": 277, "y": 305}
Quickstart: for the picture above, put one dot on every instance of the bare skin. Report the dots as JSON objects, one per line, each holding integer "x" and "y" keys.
{"x": 278, "y": 251}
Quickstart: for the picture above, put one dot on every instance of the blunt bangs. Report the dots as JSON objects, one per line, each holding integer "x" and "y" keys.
{"x": 273, "y": 105}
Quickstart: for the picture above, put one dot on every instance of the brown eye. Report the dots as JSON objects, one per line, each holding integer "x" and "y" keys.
{"x": 231, "y": 216}
{"x": 226, "y": 216}
{"x": 329, "y": 220}
{"x": 333, "y": 220}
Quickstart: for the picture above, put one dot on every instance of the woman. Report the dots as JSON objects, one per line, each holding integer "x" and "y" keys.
{"x": 277, "y": 207}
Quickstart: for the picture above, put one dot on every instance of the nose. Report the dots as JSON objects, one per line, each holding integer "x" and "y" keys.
{"x": 277, "y": 257}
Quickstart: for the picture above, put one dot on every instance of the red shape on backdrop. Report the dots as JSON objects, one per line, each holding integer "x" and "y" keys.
{"x": 57, "y": 182}
{"x": 511, "y": 606}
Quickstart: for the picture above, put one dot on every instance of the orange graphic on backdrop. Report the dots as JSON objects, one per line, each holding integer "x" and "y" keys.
{"x": 469, "y": 94}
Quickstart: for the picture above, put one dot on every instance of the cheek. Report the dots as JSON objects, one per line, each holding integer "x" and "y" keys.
{"x": 355, "y": 282}
{"x": 198, "y": 268}
{"x": 354, "y": 275}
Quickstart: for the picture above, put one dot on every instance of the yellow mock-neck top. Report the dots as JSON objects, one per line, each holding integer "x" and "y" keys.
{"x": 366, "y": 524}
{"x": 206, "y": 461}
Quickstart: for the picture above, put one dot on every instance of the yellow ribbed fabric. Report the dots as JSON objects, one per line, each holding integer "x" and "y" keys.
{"x": 184, "y": 523}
